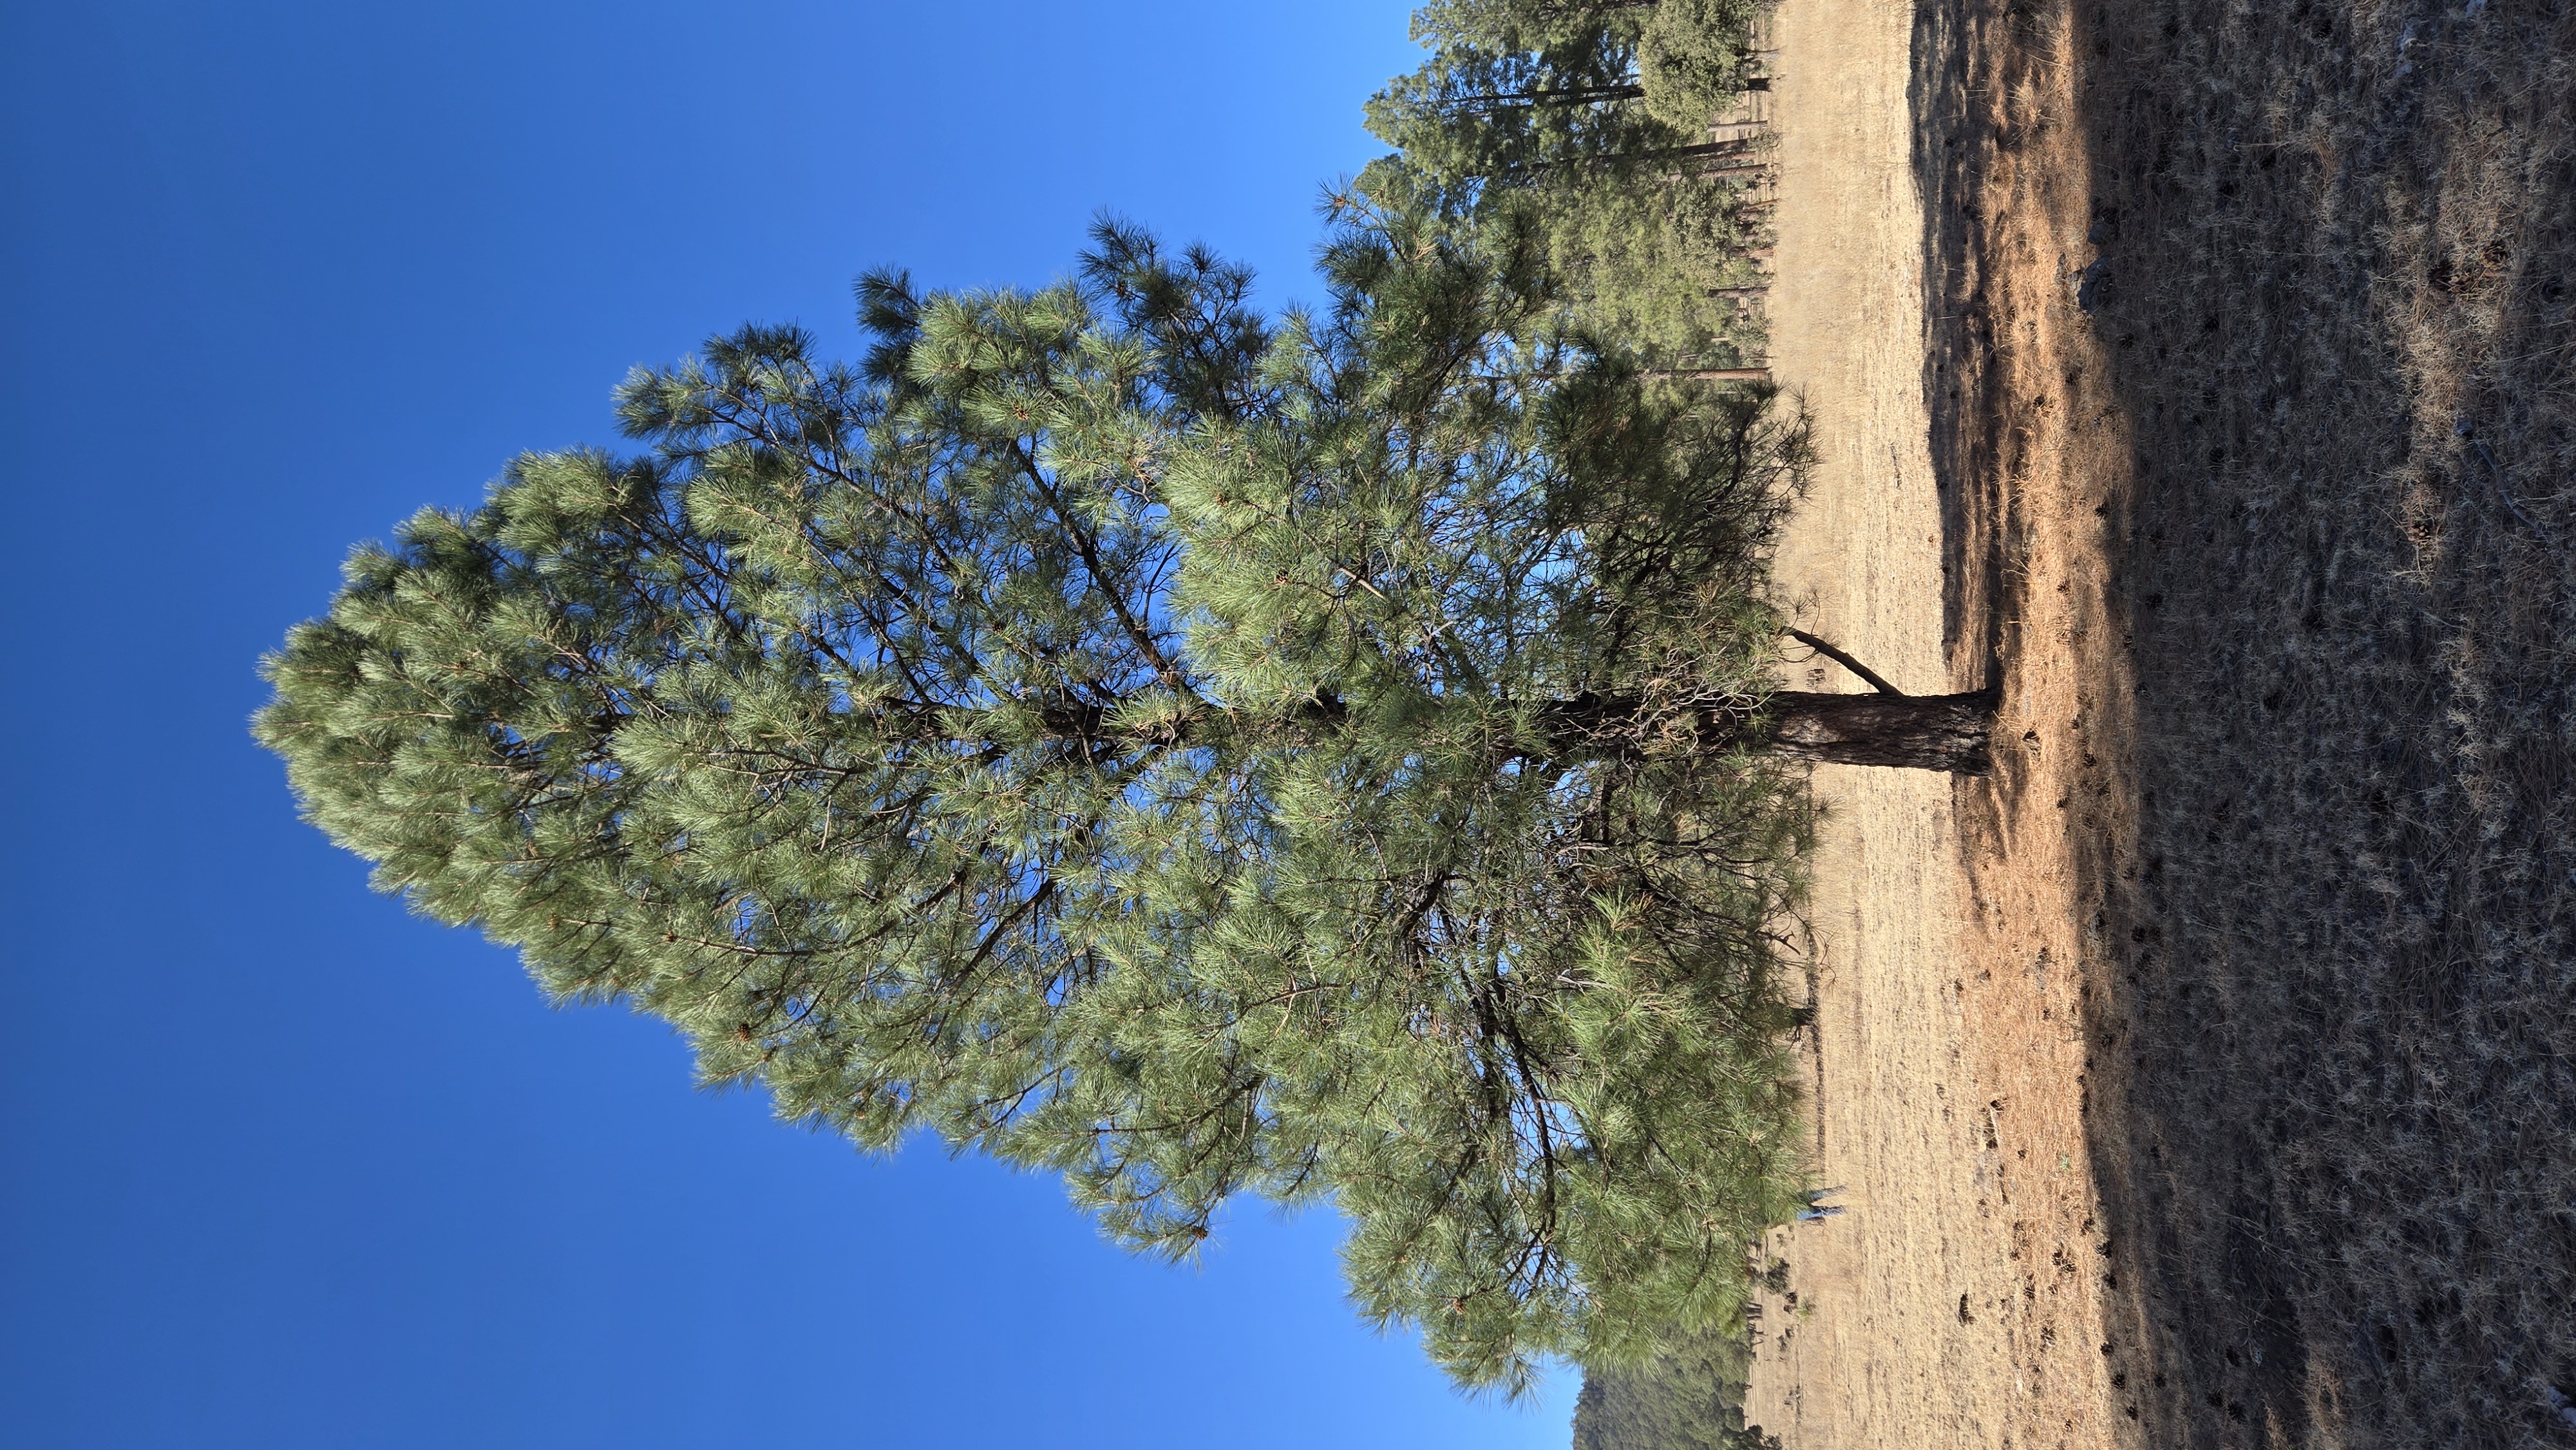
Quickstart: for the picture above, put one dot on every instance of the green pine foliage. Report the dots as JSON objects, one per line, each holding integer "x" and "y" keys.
{"x": 1589, "y": 124}
{"x": 1689, "y": 1397}
{"x": 1187, "y": 751}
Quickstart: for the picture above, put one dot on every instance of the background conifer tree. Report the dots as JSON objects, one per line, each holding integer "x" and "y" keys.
{"x": 1589, "y": 122}
{"x": 1189, "y": 752}
{"x": 1688, "y": 1397}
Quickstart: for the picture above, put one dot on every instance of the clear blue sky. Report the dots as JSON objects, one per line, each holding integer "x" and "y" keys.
{"x": 285, "y": 1167}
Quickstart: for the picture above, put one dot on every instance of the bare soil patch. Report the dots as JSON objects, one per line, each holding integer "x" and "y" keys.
{"x": 2258, "y": 318}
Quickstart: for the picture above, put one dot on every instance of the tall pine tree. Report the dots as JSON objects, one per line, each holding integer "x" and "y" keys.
{"x": 1588, "y": 122}
{"x": 1193, "y": 753}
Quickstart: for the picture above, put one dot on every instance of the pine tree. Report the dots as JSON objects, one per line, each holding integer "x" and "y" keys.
{"x": 1190, "y": 752}
{"x": 1589, "y": 123}
{"x": 1690, "y": 1396}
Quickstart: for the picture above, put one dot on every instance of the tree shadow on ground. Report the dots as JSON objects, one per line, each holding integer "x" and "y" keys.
{"x": 2328, "y": 263}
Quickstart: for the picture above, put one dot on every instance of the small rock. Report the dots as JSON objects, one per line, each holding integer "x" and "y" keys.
{"x": 2089, "y": 285}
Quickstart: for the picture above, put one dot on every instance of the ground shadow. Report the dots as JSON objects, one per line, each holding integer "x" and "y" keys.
{"x": 2332, "y": 1091}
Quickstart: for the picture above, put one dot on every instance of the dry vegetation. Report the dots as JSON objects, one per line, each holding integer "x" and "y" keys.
{"x": 2317, "y": 771}
{"x": 1951, "y": 1305}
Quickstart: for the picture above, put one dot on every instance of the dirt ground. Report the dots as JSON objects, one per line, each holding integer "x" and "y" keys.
{"x": 2207, "y": 374}
{"x": 1957, "y": 1301}
{"x": 2329, "y": 405}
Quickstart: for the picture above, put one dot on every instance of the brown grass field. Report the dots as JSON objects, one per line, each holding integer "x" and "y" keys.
{"x": 2258, "y": 318}
{"x": 1955, "y": 1302}
{"x": 2207, "y": 1075}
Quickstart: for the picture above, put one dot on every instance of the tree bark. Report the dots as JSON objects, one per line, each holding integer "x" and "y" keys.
{"x": 1577, "y": 97}
{"x": 1918, "y": 732}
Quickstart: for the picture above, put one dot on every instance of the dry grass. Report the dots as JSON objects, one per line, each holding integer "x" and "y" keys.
{"x": 1949, "y": 1306}
{"x": 2329, "y": 713}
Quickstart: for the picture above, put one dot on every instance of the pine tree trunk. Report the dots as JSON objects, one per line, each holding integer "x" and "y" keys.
{"x": 1917, "y": 732}
{"x": 1920, "y": 732}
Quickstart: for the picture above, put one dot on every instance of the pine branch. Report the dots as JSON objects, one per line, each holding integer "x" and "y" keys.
{"x": 1846, "y": 661}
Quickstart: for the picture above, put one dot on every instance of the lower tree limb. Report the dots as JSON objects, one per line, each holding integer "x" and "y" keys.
{"x": 1845, "y": 660}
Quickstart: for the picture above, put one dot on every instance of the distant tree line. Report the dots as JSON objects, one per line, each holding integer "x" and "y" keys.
{"x": 1690, "y": 1396}
{"x": 1591, "y": 123}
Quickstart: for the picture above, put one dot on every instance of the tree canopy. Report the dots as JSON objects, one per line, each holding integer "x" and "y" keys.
{"x": 1189, "y": 751}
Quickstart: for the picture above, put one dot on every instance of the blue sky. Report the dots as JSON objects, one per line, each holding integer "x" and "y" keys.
{"x": 281, "y": 1166}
